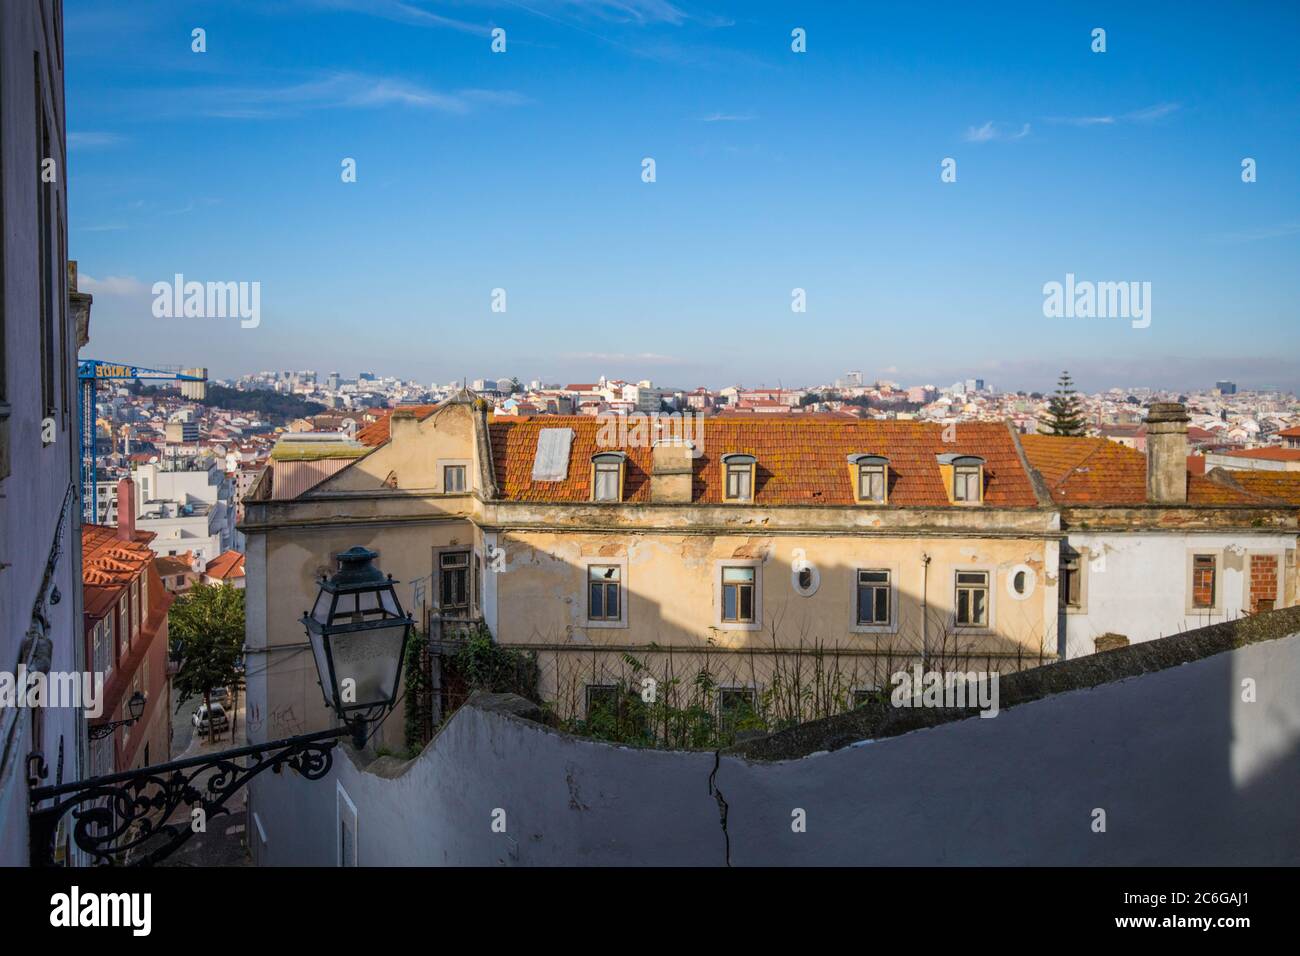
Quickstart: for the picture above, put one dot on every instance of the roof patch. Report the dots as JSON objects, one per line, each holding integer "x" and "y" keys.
{"x": 552, "y": 460}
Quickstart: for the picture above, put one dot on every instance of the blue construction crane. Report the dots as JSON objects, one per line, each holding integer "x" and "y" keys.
{"x": 90, "y": 372}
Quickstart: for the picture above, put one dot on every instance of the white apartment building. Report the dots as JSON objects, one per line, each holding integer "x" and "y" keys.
{"x": 188, "y": 505}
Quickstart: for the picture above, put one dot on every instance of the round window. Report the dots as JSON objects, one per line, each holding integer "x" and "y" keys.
{"x": 805, "y": 579}
{"x": 1021, "y": 581}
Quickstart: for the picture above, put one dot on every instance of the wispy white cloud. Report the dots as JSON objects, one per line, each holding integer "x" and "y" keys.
{"x": 1082, "y": 120}
{"x": 1152, "y": 112}
{"x": 1277, "y": 231}
{"x": 622, "y": 11}
{"x": 727, "y": 118}
{"x": 90, "y": 140}
{"x": 1146, "y": 115}
{"x": 991, "y": 131}
{"x": 113, "y": 286}
{"x": 341, "y": 91}
{"x": 405, "y": 11}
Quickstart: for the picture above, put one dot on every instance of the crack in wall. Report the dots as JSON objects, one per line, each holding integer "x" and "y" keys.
{"x": 722, "y": 805}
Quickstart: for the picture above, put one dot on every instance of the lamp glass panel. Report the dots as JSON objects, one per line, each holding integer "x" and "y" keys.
{"x": 321, "y": 612}
{"x": 322, "y": 664}
{"x": 371, "y": 659}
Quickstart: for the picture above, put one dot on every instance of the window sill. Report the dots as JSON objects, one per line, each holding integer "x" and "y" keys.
{"x": 605, "y": 624}
{"x": 873, "y": 629}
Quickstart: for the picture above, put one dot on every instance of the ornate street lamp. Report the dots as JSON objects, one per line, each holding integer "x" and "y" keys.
{"x": 134, "y": 707}
{"x": 358, "y": 633}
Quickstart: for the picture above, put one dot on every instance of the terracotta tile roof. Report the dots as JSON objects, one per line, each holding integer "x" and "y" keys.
{"x": 226, "y": 565}
{"x": 801, "y": 461}
{"x": 170, "y": 565}
{"x": 1280, "y": 485}
{"x": 109, "y": 565}
{"x": 1290, "y": 432}
{"x": 1097, "y": 471}
{"x": 1267, "y": 454}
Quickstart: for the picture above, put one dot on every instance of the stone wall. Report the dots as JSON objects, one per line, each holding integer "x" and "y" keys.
{"x": 1186, "y": 750}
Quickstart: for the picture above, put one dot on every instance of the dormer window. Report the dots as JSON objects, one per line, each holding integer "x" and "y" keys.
{"x": 607, "y": 476}
{"x": 965, "y": 476}
{"x": 870, "y": 475}
{"x": 738, "y": 472}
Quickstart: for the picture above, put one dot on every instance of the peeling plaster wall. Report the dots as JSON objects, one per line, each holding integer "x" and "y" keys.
{"x": 1137, "y": 584}
{"x": 1186, "y": 772}
{"x": 672, "y": 597}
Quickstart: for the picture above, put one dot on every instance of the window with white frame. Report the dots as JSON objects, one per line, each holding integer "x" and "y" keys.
{"x": 135, "y": 607}
{"x": 972, "y": 598}
{"x": 966, "y": 482}
{"x": 102, "y": 648}
{"x": 738, "y": 595}
{"x": 871, "y": 478}
{"x": 607, "y": 477}
{"x": 738, "y": 472}
{"x": 604, "y": 597}
{"x": 453, "y": 478}
{"x": 873, "y": 597}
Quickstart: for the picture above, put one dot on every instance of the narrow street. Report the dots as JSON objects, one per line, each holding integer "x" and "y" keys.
{"x": 222, "y": 844}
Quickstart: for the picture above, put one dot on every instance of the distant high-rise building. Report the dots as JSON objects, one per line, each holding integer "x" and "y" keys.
{"x": 333, "y": 381}
{"x": 1226, "y": 388}
{"x": 852, "y": 379}
{"x": 195, "y": 391}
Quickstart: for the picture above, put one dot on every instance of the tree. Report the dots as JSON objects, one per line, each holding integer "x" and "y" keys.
{"x": 515, "y": 385}
{"x": 206, "y": 623}
{"x": 1064, "y": 410}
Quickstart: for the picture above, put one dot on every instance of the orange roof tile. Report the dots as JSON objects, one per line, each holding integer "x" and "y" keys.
{"x": 109, "y": 565}
{"x": 1280, "y": 485}
{"x": 801, "y": 461}
{"x": 228, "y": 564}
{"x": 1097, "y": 471}
{"x": 1267, "y": 454}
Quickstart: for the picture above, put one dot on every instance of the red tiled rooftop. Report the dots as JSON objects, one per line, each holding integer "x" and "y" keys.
{"x": 1097, "y": 471}
{"x": 109, "y": 564}
{"x": 1279, "y": 485}
{"x": 1267, "y": 454}
{"x": 801, "y": 461}
{"x": 226, "y": 565}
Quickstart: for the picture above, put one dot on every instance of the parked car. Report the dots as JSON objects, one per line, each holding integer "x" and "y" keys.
{"x": 220, "y": 695}
{"x": 209, "y": 725}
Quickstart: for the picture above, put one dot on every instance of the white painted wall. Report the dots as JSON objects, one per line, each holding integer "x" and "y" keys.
{"x": 1187, "y": 772}
{"x": 1137, "y": 583}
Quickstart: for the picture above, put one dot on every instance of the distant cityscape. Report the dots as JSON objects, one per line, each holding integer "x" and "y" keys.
{"x": 194, "y": 450}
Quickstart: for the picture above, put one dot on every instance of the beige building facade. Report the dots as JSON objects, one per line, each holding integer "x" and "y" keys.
{"x": 857, "y": 548}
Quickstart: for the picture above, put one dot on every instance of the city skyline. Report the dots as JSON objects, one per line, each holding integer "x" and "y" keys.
{"x": 775, "y": 171}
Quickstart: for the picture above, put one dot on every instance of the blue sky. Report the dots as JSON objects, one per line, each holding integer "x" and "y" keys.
{"x": 775, "y": 170}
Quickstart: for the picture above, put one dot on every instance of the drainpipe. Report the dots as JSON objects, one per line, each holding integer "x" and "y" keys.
{"x": 925, "y": 610}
